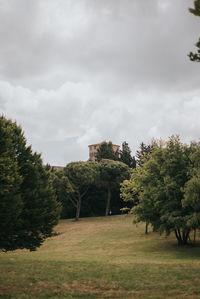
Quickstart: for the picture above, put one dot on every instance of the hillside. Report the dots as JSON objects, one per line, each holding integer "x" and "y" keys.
{"x": 104, "y": 257}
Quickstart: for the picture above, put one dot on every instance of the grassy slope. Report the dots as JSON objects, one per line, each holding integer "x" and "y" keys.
{"x": 104, "y": 257}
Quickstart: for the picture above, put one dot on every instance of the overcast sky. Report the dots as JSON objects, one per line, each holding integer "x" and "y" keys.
{"x": 77, "y": 72}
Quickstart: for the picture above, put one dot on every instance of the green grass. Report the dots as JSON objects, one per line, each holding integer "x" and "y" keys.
{"x": 104, "y": 257}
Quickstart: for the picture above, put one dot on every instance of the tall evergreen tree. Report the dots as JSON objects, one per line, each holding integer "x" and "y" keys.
{"x": 143, "y": 153}
{"x": 28, "y": 208}
{"x": 126, "y": 157}
{"x": 105, "y": 151}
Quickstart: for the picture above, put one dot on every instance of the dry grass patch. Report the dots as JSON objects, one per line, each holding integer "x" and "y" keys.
{"x": 103, "y": 257}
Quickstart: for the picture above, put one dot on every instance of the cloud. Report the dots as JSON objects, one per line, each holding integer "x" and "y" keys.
{"x": 46, "y": 43}
{"x": 79, "y": 72}
{"x": 61, "y": 123}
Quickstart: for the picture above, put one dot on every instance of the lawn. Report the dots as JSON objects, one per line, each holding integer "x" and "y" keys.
{"x": 103, "y": 257}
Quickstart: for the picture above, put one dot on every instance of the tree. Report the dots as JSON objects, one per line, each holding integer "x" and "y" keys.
{"x": 196, "y": 9}
{"x": 196, "y": 12}
{"x": 112, "y": 173}
{"x": 80, "y": 175}
{"x": 105, "y": 151}
{"x": 28, "y": 208}
{"x": 191, "y": 200}
{"x": 130, "y": 192}
{"x": 10, "y": 198}
{"x": 162, "y": 185}
{"x": 143, "y": 153}
{"x": 125, "y": 156}
{"x": 195, "y": 56}
{"x": 59, "y": 182}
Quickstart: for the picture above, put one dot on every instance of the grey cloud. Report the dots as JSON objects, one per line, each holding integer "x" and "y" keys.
{"x": 79, "y": 72}
{"x": 61, "y": 123}
{"x": 126, "y": 41}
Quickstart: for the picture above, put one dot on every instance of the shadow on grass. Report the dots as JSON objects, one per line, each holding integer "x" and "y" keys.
{"x": 168, "y": 246}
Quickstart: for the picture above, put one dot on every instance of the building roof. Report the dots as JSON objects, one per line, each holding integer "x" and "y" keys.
{"x": 57, "y": 168}
{"x": 101, "y": 143}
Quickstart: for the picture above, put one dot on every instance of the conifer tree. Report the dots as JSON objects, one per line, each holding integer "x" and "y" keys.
{"x": 105, "y": 151}
{"x": 28, "y": 208}
{"x": 126, "y": 157}
{"x": 143, "y": 153}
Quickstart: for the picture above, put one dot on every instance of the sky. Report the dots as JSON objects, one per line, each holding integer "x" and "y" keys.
{"x": 78, "y": 72}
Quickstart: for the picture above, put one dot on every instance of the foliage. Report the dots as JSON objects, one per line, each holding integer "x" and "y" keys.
{"x": 79, "y": 176}
{"x": 191, "y": 200}
{"x": 196, "y": 9}
{"x": 59, "y": 181}
{"x": 196, "y": 12}
{"x": 165, "y": 189}
{"x": 28, "y": 208}
{"x": 105, "y": 151}
{"x": 92, "y": 205}
{"x": 94, "y": 201}
{"x": 195, "y": 56}
{"x": 112, "y": 173}
{"x": 143, "y": 153}
{"x": 128, "y": 192}
{"x": 125, "y": 156}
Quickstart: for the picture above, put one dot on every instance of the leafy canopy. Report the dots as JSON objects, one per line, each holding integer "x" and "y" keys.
{"x": 79, "y": 175}
{"x": 111, "y": 174}
{"x": 196, "y": 9}
{"x": 164, "y": 186}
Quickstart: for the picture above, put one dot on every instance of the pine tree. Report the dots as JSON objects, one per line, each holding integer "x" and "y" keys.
{"x": 143, "y": 153}
{"x": 125, "y": 155}
{"x": 28, "y": 208}
{"x": 105, "y": 151}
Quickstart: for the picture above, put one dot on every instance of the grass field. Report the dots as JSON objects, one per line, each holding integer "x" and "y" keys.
{"x": 104, "y": 257}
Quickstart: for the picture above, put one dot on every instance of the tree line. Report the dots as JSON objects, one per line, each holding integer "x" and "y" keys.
{"x": 162, "y": 189}
{"x": 87, "y": 188}
{"x": 33, "y": 197}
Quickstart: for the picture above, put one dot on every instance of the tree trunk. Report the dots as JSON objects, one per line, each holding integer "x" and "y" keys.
{"x": 194, "y": 240}
{"x": 182, "y": 236}
{"x": 108, "y": 201}
{"x": 78, "y": 209}
{"x": 146, "y": 228}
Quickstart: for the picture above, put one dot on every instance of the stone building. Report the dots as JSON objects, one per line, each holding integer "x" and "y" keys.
{"x": 57, "y": 168}
{"x": 94, "y": 147}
